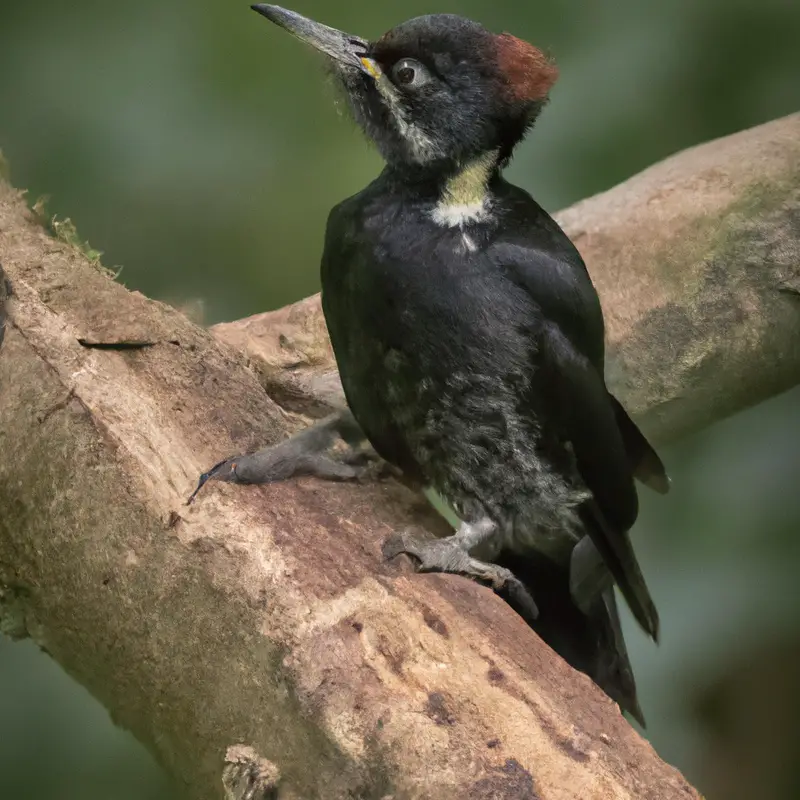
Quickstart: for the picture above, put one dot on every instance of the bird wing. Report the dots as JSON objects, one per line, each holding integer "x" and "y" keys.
{"x": 645, "y": 463}
{"x": 344, "y": 254}
{"x": 570, "y": 391}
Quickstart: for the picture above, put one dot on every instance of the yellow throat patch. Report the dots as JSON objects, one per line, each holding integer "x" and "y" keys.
{"x": 464, "y": 196}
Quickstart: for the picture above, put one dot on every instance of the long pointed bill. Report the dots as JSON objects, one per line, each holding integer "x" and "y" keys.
{"x": 342, "y": 47}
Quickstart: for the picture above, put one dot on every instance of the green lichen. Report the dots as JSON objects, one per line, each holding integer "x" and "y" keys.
{"x": 761, "y": 201}
{"x": 764, "y": 196}
{"x": 716, "y": 236}
{"x": 726, "y": 308}
{"x": 64, "y": 230}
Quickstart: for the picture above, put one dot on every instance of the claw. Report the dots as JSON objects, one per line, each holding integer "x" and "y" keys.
{"x": 304, "y": 453}
{"x": 447, "y": 555}
{"x": 521, "y": 600}
{"x": 214, "y": 472}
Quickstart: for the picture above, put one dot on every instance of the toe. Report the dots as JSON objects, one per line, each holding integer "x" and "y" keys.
{"x": 395, "y": 545}
{"x": 406, "y": 542}
{"x": 222, "y": 470}
{"x": 521, "y": 600}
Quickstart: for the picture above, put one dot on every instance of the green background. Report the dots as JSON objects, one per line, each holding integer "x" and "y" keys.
{"x": 199, "y": 147}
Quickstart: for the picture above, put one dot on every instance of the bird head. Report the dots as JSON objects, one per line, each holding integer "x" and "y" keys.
{"x": 437, "y": 91}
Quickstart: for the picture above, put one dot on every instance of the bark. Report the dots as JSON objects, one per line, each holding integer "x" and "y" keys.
{"x": 256, "y": 641}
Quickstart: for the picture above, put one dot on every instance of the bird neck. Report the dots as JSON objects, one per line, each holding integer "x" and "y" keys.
{"x": 459, "y": 192}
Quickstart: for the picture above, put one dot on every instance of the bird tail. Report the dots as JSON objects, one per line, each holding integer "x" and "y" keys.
{"x": 603, "y": 552}
{"x": 590, "y": 640}
{"x": 613, "y": 670}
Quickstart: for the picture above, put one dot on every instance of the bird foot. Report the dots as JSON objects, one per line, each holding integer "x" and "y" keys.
{"x": 306, "y": 453}
{"x": 448, "y": 555}
{"x": 281, "y": 462}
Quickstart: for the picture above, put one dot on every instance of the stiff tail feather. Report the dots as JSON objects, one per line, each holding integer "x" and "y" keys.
{"x": 616, "y": 551}
{"x": 589, "y": 640}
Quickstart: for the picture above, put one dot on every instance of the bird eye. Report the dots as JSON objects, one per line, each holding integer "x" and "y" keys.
{"x": 410, "y": 73}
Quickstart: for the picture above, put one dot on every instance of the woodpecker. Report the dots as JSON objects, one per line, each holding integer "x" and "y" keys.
{"x": 470, "y": 339}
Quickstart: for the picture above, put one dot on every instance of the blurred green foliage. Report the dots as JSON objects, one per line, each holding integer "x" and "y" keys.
{"x": 198, "y": 146}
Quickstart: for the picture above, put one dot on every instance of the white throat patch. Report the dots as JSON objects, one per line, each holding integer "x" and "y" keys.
{"x": 464, "y": 198}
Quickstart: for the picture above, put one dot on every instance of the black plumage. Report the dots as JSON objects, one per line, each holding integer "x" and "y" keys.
{"x": 480, "y": 371}
{"x": 470, "y": 339}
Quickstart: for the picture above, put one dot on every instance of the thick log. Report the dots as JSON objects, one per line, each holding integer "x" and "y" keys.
{"x": 256, "y": 641}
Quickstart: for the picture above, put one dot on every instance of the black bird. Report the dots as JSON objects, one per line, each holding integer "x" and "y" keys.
{"x": 470, "y": 339}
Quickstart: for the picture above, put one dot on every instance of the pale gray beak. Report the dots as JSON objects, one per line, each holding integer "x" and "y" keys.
{"x": 342, "y": 47}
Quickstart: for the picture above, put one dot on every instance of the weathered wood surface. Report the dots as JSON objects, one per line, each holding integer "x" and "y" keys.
{"x": 257, "y": 634}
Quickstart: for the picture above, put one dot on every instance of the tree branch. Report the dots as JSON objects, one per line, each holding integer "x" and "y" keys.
{"x": 256, "y": 641}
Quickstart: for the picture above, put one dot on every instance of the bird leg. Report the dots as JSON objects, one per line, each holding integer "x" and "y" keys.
{"x": 452, "y": 554}
{"x": 305, "y": 453}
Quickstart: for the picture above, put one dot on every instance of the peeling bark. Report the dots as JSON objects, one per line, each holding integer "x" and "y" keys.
{"x": 256, "y": 641}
